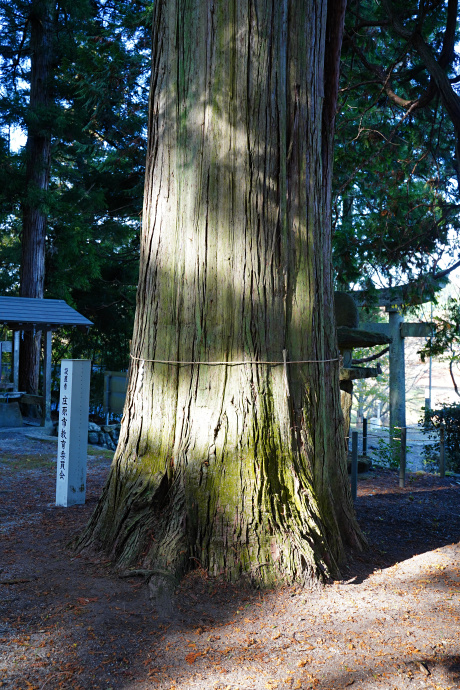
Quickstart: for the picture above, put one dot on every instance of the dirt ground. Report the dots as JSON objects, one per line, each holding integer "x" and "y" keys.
{"x": 69, "y": 621}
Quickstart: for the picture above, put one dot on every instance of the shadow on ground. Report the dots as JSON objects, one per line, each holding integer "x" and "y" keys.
{"x": 68, "y": 621}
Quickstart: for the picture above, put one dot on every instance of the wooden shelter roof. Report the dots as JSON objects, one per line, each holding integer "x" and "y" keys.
{"x": 27, "y": 313}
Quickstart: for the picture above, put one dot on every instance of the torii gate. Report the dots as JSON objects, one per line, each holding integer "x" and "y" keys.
{"x": 397, "y": 329}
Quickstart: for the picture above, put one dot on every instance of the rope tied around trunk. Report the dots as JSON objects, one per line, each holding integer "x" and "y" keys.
{"x": 283, "y": 361}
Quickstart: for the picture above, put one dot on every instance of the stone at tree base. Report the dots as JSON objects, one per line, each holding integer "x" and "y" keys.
{"x": 161, "y": 593}
{"x": 113, "y": 431}
{"x": 10, "y": 415}
{"x": 108, "y": 442}
{"x": 364, "y": 465}
{"x": 97, "y": 436}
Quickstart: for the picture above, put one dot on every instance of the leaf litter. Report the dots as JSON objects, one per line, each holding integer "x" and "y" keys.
{"x": 69, "y": 621}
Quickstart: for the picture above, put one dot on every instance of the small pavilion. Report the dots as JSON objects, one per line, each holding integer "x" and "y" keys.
{"x": 21, "y": 314}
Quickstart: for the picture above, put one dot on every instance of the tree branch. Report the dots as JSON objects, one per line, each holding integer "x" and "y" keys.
{"x": 420, "y": 288}
{"x": 447, "y": 54}
{"x": 382, "y": 76}
{"x": 435, "y": 68}
{"x": 451, "y": 363}
{"x": 443, "y": 274}
{"x": 372, "y": 357}
{"x": 376, "y": 153}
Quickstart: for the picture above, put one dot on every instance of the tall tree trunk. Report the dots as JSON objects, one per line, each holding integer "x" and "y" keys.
{"x": 37, "y": 179}
{"x": 228, "y": 458}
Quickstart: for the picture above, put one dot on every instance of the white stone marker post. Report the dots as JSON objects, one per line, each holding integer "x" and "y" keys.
{"x": 73, "y": 432}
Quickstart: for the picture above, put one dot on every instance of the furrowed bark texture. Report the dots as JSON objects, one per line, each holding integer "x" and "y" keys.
{"x": 240, "y": 468}
{"x": 36, "y": 184}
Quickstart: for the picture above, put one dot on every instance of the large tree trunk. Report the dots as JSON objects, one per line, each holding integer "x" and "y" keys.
{"x": 36, "y": 183}
{"x": 228, "y": 458}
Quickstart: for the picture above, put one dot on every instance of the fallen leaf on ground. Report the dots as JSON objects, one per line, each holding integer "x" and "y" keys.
{"x": 424, "y": 669}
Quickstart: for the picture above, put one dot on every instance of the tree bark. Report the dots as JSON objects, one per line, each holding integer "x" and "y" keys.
{"x": 37, "y": 178}
{"x": 238, "y": 467}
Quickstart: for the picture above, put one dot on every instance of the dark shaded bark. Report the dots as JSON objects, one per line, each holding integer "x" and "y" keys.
{"x": 37, "y": 179}
{"x": 334, "y": 36}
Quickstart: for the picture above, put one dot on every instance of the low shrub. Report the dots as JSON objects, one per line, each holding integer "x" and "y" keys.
{"x": 388, "y": 452}
{"x": 447, "y": 417}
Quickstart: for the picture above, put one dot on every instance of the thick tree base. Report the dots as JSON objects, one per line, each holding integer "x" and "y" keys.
{"x": 161, "y": 526}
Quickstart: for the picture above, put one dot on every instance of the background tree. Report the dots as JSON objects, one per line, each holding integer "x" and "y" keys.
{"x": 37, "y": 168}
{"x": 86, "y": 217}
{"x": 240, "y": 466}
{"x": 396, "y": 189}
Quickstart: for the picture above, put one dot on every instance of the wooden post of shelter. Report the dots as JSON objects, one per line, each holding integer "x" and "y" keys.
{"x": 402, "y": 461}
{"x": 46, "y": 416}
{"x": 16, "y": 338}
{"x": 397, "y": 372}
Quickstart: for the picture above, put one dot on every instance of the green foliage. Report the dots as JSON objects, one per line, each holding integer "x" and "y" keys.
{"x": 395, "y": 204}
{"x": 445, "y": 341}
{"x": 97, "y": 123}
{"x": 448, "y": 418}
{"x": 388, "y": 452}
